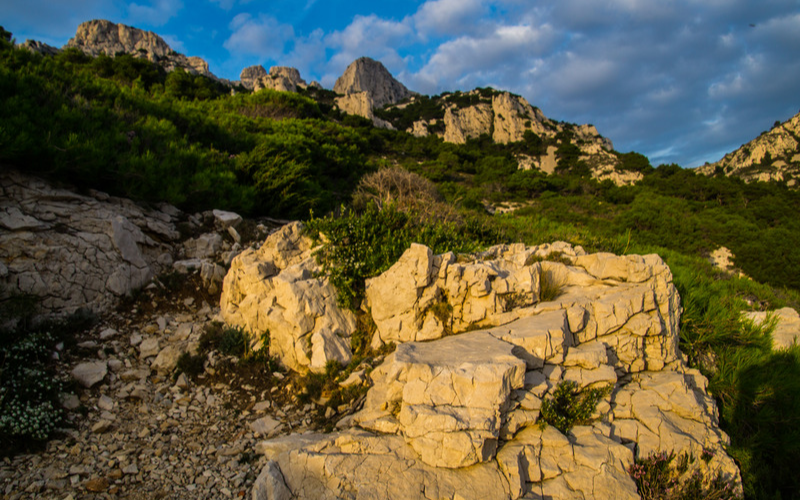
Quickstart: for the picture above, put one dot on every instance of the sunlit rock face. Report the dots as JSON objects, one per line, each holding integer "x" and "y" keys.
{"x": 482, "y": 342}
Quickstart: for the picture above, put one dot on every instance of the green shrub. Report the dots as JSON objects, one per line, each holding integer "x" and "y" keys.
{"x": 190, "y": 364}
{"x": 657, "y": 478}
{"x": 233, "y": 342}
{"x": 356, "y": 246}
{"x": 570, "y": 406}
{"x": 29, "y": 388}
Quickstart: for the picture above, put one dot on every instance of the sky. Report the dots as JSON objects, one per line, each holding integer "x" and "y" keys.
{"x": 680, "y": 81}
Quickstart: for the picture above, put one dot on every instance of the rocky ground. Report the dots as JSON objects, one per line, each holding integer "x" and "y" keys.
{"x": 140, "y": 434}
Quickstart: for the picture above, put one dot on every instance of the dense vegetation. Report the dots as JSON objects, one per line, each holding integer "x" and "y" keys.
{"x": 125, "y": 126}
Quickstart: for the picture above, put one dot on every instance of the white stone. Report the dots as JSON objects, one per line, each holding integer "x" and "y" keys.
{"x": 90, "y": 374}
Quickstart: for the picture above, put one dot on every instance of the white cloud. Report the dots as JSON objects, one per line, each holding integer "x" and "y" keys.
{"x": 157, "y": 13}
{"x": 263, "y": 36}
{"x": 507, "y": 50}
{"x": 449, "y": 17}
{"x": 368, "y": 36}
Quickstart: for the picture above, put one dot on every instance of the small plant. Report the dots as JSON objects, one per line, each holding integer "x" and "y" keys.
{"x": 29, "y": 406}
{"x": 190, "y": 364}
{"x": 663, "y": 476}
{"x": 443, "y": 311}
{"x": 234, "y": 342}
{"x": 515, "y": 300}
{"x": 551, "y": 285}
{"x": 570, "y": 406}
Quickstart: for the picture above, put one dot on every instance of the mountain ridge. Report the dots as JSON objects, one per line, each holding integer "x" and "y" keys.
{"x": 772, "y": 156}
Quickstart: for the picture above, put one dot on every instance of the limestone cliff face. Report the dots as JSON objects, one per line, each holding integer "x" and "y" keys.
{"x": 280, "y": 78}
{"x": 774, "y": 155}
{"x": 104, "y": 37}
{"x": 370, "y": 76}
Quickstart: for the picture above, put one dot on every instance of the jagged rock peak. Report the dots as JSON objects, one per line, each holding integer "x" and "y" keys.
{"x": 100, "y": 36}
{"x": 281, "y": 78}
{"x": 252, "y": 73}
{"x": 774, "y": 155}
{"x": 370, "y": 76}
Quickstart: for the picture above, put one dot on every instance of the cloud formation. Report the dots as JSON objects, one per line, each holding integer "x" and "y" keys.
{"x": 263, "y": 36}
{"x": 155, "y": 13}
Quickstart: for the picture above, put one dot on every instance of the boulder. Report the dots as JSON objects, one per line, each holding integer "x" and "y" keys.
{"x": 277, "y": 289}
{"x": 459, "y": 413}
{"x": 446, "y": 397}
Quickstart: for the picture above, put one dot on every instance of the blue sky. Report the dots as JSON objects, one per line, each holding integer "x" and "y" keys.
{"x": 682, "y": 81}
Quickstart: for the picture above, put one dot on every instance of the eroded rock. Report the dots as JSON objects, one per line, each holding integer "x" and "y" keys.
{"x": 276, "y": 289}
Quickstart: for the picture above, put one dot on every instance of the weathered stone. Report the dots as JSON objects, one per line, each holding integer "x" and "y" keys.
{"x": 270, "y": 484}
{"x": 787, "y": 325}
{"x": 275, "y": 289}
{"x": 149, "y": 347}
{"x": 90, "y": 374}
{"x": 370, "y": 76}
{"x": 339, "y": 465}
{"x": 449, "y": 395}
{"x": 167, "y": 359}
{"x": 104, "y": 37}
{"x": 76, "y": 251}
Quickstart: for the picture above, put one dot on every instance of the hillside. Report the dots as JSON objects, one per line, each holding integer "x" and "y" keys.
{"x": 772, "y": 156}
{"x": 460, "y": 172}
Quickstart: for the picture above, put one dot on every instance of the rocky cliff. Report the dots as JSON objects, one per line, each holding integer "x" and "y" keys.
{"x": 507, "y": 118}
{"x": 104, "y": 37}
{"x": 454, "y": 412}
{"x": 370, "y": 76}
{"x": 772, "y": 156}
{"x": 280, "y": 78}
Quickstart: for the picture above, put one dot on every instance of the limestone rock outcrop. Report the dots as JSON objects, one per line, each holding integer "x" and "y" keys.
{"x": 456, "y": 415}
{"x": 104, "y": 37}
{"x": 276, "y": 290}
{"x": 370, "y": 76}
{"x": 38, "y": 47}
{"x": 772, "y": 156}
{"x": 76, "y": 251}
{"x": 787, "y": 325}
{"x": 507, "y": 118}
{"x": 279, "y": 78}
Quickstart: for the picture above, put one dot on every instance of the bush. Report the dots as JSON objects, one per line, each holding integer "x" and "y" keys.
{"x": 29, "y": 389}
{"x": 658, "y": 478}
{"x": 356, "y": 246}
{"x": 570, "y": 406}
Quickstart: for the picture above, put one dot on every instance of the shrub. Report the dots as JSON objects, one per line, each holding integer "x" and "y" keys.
{"x": 29, "y": 390}
{"x": 357, "y": 246}
{"x": 658, "y": 478}
{"x": 190, "y": 364}
{"x": 570, "y": 406}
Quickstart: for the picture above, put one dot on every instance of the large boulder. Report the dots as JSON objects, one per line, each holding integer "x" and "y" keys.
{"x": 277, "y": 290}
{"x": 458, "y": 414}
{"x": 446, "y": 397}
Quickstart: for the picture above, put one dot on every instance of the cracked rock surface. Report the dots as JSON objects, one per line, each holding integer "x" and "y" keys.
{"x": 457, "y": 415}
